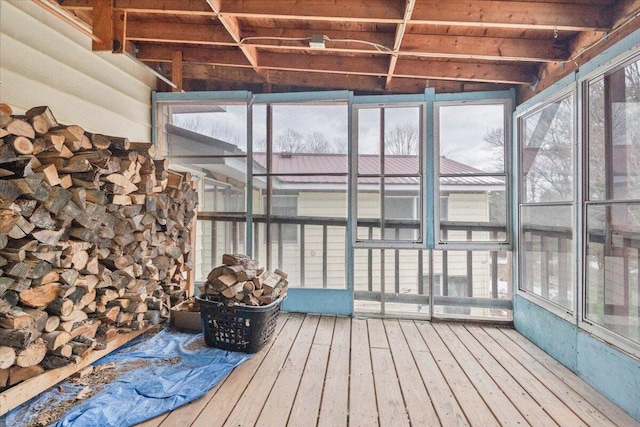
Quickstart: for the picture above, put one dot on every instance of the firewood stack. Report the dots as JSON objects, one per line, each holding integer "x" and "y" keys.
{"x": 239, "y": 280}
{"x": 94, "y": 240}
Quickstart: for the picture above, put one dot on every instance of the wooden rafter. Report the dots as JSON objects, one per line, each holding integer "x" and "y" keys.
{"x": 466, "y": 71}
{"x": 320, "y": 10}
{"x": 179, "y": 33}
{"x": 374, "y": 46}
{"x": 157, "y": 52}
{"x": 484, "y": 48}
{"x": 512, "y": 14}
{"x": 400, "y": 30}
{"x": 232, "y": 26}
{"x": 165, "y": 7}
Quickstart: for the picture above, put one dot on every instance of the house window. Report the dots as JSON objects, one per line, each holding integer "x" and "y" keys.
{"x": 400, "y": 208}
{"x": 444, "y": 208}
{"x": 283, "y": 207}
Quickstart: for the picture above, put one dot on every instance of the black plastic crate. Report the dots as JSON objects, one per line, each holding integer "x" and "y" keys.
{"x": 239, "y": 327}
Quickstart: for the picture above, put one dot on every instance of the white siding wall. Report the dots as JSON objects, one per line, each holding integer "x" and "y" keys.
{"x": 45, "y": 61}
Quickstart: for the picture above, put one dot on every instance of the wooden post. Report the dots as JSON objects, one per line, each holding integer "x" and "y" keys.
{"x": 176, "y": 70}
{"x": 102, "y": 24}
{"x": 120, "y": 32}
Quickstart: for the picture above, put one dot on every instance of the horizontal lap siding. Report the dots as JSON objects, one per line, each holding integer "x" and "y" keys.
{"x": 44, "y": 61}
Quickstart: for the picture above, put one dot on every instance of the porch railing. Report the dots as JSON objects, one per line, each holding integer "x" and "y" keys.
{"x": 233, "y": 240}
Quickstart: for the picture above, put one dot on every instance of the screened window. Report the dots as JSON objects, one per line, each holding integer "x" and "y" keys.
{"x": 389, "y": 194}
{"x": 300, "y": 169}
{"x": 209, "y": 140}
{"x": 546, "y": 140}
{"x": 471, "y": 172}
{"x": 612, "y": 284}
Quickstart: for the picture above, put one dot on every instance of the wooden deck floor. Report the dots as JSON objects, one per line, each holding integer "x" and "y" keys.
{"x": 335, "y": 371}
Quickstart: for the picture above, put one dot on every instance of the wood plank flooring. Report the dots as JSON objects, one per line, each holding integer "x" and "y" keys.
{"x": 336, "y": 371}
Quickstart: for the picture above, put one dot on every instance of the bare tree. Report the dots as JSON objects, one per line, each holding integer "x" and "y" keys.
{"x": 200, "y": 124}
{"x": 317, "y": 143}
{"x": 402, "y": 140}
{"x": 495, "y": 138}
{"x": 290, "y": 141}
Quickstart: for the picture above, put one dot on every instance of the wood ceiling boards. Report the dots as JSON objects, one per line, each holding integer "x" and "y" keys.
{"x": 370, "y": 46}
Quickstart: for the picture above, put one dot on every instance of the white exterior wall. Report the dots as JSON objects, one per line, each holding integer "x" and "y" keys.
{"x": 45, "y": 61}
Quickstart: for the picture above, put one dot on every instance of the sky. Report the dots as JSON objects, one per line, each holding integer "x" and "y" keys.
{"x": 461, "y": 129}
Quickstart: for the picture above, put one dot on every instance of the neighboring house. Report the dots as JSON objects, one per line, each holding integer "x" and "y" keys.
{"x": 314, "y": 185}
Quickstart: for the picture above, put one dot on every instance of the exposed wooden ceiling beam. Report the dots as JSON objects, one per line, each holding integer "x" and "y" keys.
{"x": 400, "y": 30}
{"x": 407, "y": 68}
{"x": 168, "y": 7}
{"x": 466, "y": 71}
{"x": 512, "y": 14}
{"x": 371, "y": 83}
{"x": 400, "y": 85}
{"x": 324, "y": 63}
{"x": 586, "y": 46}
{"x": 233, "y": 27}
{"x": 389, "y": 11}
{"x": 179, "y": 33}
{"x": 486, "y": 48}
{"x": 297, "y": 37}
{"x": 207, "y": 72}
{"x": 155, "y": 52}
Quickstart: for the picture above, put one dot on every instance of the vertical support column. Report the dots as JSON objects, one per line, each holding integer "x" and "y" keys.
{"x": 325, "y": 270}
{"x": 176, "y": 70}
{"x": 302, "y": 255}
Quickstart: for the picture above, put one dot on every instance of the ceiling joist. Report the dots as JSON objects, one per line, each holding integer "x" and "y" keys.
{"x": 375, "y": 46}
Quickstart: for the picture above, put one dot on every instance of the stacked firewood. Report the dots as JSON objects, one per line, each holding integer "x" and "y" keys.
{"x": 240, "y": 280}
{"x": 95, "y": 239}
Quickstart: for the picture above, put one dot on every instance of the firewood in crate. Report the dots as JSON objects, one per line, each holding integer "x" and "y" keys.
{"x": 244, "y": 275}
{"x": 233, "y": 290}
{"x": 238, "y": 259}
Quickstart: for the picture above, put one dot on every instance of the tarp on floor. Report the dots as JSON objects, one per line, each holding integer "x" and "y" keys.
{"x": 149, "y": 376}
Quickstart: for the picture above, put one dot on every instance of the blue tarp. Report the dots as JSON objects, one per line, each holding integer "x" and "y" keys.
{"x": 172, "y": 369}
